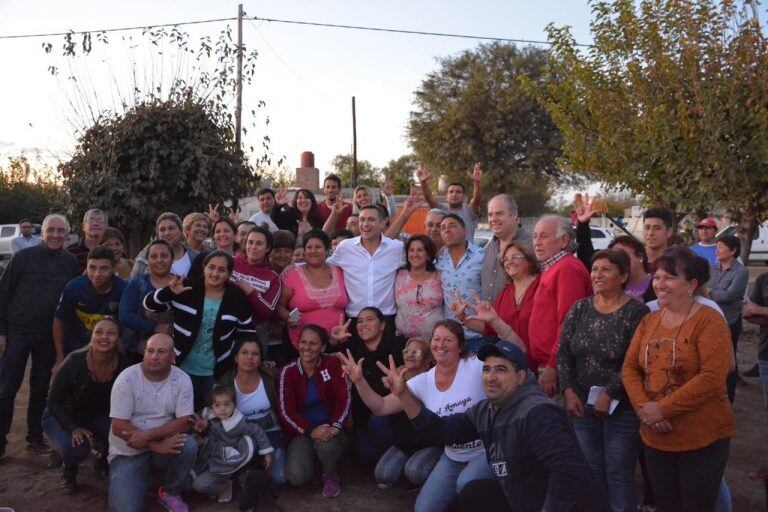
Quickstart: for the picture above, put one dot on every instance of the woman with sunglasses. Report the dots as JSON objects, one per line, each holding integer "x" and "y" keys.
{"x": 418, "y": 292}
{"x": 674, "y": 374}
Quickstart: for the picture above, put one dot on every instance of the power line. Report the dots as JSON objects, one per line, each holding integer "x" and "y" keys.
{"x": 291, "y": 22}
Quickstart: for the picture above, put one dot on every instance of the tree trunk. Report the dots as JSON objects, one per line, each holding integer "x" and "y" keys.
{"x": 748, "y": 223}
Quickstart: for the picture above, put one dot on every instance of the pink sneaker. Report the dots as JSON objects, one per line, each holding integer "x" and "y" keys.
{"x": 170, "y": 502}
{"x": 226, "y": 495}
{"x": 331, "y": 486}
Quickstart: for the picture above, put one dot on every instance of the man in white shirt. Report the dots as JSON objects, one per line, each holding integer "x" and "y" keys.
{"x": 370, "y": 262}
{"x": 27, "y": 238}
{"x": 266, "y": 203}
{"x": 151, "y": 407}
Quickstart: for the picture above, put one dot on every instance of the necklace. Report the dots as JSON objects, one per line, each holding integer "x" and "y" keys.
{"x": 520, "y": 294}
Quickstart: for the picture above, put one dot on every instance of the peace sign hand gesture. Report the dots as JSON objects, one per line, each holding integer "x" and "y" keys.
{"x": 394, "y": 376}
{"x": 213, "y": 213}
{"x": 585, "y": 209}
{"x": 340, "y": 333}
{"x": 354, "y": 370}
{"x": 423, "y": 173}
{"x": 177, "y": 286}
{"x": 476, "y": 174}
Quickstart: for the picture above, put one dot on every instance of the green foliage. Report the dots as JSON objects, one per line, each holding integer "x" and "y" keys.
{"x": 401, "y": 172}
{"x": 473, "y": 109}
{"x": 27, "y": 191}
{"x": 158, "y": 156}
{"x": 367, "y": 174}
{"x": 671, "y": 102}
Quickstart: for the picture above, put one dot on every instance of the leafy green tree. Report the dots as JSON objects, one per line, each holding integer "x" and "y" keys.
{"x": 27, "y": 190}
{"x": 473, "y": 109}
{"x": 401, "y": 172}
{"x": 670, "y": 103}
{"x": 367, "y": 174}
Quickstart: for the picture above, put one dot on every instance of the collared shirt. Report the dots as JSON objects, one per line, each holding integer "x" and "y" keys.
{"x": 469, "y": 217}
{"x": 549, "y": 262}
{"x": 22, "y": 242}
{"x": 369, "y": 279}
{"x": 260, "y": 218}
{"x": 463, "y": 278}
{"x": 727, "y": 288}
{"x": 492, "y": 275}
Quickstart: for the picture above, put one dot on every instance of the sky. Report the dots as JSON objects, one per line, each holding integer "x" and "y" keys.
{"x": 305, "y": 75}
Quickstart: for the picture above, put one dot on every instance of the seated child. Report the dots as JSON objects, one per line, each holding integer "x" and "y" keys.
{"x": 228, "y": 445}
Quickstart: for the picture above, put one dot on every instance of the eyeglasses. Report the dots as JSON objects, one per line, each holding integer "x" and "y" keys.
{"x": 419, "y": 289}
{"x": 415, "y": 352}
{"x": 514, "y": 257}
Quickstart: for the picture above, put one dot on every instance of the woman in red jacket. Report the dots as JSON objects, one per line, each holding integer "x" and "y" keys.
{"x": 254, "y": 275}
{"x": 314, "y": 401}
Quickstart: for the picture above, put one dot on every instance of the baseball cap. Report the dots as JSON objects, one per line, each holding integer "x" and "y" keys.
{"x": 504, "y": 349}
{"x": 709, "y": 222}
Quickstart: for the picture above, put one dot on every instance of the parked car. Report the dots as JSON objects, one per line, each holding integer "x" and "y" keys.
{"x": 759, "y": 252}
{"x": 7, "y": 233}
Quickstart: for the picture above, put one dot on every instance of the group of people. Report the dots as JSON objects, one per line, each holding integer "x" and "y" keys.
{"x": 531, "y": 374}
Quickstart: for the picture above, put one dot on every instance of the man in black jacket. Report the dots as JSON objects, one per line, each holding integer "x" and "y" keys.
{"x": 29, "y": 290}
{"x": 529, "y": 443}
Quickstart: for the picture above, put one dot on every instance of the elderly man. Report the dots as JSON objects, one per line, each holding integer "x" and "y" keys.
{"x": 502, "y": 219}
{"x": 95, "y": 223}
{"x": 564, "y": 280}
{"x": 151, "y": 408}
{"x": 29, "y": 289}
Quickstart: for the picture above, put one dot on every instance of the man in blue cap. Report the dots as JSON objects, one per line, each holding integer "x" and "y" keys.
{"x": 529, "y": 443}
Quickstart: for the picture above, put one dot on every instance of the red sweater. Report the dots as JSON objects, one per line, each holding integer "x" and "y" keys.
{"x": 341, "y": 222}
{"x": 332, "y": 386}
{"x": 517, "y": 317}
{"x": 561, "y": 285}
{"x": 266, "y": 284}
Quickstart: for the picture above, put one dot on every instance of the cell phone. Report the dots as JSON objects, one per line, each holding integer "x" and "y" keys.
{"x": 294, "y": 316}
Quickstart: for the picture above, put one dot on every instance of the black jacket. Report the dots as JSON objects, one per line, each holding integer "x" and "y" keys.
{"x": 234, "y": 317}
{"x": 30, "y": 288}
{"x": 68, "y": 389}
{"x": 531, "y": 448}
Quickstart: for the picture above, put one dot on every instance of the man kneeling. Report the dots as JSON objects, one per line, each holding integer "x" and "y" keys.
{"x": 151, "y": 409}
{"x": 528, "y": 441}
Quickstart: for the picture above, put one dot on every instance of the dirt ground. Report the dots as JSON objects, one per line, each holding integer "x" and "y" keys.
{"x": 27, "y": 484}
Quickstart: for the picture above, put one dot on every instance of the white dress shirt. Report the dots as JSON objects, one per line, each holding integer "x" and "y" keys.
{"x": 370, "y": 280}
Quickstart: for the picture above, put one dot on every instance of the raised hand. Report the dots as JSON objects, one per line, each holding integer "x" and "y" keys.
{"x": 340, "y": 332}
{"x": 233, "y": 215}
{"x": 423, "y": 174}
{"x": 213, "y": 213}
{"x": 177, "y": 286}
{"x": 585, "y": 209}
{"x": 354, "y": 370}
{"x": 281, "y": 197}
{"x": 484, "y": 310}
{"x": 476, "y": 174}
{"x": 395, "y": 376}
{"x": 386, "y": 188}
{"x": 411, "y": 204}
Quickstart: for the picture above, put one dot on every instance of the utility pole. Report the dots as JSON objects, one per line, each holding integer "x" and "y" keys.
{"x": 354, "y": 145}
{"x": 239, "y": 102}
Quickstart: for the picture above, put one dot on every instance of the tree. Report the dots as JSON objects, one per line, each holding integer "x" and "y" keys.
{"x": 367, "y": 174}
{"x": 26, "y": 192}
{"x": 473, "y": 108}
{"x": 401, "y": 172}
{"x": 671, "y": 103}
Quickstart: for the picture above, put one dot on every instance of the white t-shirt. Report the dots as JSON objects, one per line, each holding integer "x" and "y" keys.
{"x": 254, "y": 405}
{"x": 465, "y": 391}
{"x": 181, "y": 266}
{"x": 264, "y": 218}
{"x": 147, "y": 404}
{"x": 654, "y": 304}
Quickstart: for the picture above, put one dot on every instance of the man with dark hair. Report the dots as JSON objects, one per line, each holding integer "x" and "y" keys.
{"x": 528, "y": 440}
{"x": 332, "y": 191}
{"x": 266, "y": 198}
{"x": 85, "y": 300}
{"x": 26, "y": 239}
{"x": 657, "y": 228}
{"x": 353, "y": 224}
{"x": 29, "y": 289}
{"x": 95, "y": 224}
{"x": 459, "y": 264}
{"x": 243, "y": 228}
{"x": 340, "y": 236}
{"x": 469, "y": 212}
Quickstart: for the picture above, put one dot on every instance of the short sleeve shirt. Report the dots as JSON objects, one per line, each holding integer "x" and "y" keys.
{"x": 463, "y": 278}
{"x": 147, "y": 404}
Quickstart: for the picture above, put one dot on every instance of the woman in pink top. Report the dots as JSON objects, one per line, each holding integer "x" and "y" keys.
{"x": 418, "y": 293}
{"x": 315, "y": 289}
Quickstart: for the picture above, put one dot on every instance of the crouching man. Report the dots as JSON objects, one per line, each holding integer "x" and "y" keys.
{"x": 528, "y": 441}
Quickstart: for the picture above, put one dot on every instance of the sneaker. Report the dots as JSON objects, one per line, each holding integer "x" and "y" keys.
{"x": 39, "y": 448}
{"x": 331, "y": 486}
{"x": 68, "y": 483}
{"x": 384, "y": 487}
{"x": 170, "y": 502}
{"x": 226, "y": 495}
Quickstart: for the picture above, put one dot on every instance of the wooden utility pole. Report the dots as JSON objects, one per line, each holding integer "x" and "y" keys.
{"x": 354, "y": 145}
{"x": 239, "y": 102}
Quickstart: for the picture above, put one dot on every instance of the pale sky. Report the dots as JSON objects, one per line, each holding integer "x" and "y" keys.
{"x": 306, "y": 75}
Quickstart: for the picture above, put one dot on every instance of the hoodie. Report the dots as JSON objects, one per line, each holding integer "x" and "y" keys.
{"x": 530, "y": 446}
{"x": 264, "y": 281}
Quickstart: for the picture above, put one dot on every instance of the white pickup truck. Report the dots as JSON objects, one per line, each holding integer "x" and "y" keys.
{"x": 759, "y": 251}
{"x": 7, "y": 233}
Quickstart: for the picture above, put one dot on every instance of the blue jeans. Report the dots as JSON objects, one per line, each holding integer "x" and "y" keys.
{"x": 371, "y": 444}
{"x": 71, "y": 456}
{"x": 447, "y": 479}
{"x": 14, "y": 364}
{"x": 129, "y": 476}
{"x": 276, "y": 471}
{"x": 611, "y": 446}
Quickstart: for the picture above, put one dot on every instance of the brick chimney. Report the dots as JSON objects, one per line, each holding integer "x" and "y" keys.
{"x": 308, "y": 176}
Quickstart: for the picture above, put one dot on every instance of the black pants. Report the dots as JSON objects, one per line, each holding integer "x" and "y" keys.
{"x": 687, "y": 481}
{"x": 733, "y": 376}
{"x": 485, "y": 495}
{"x": 14, "y": 364}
